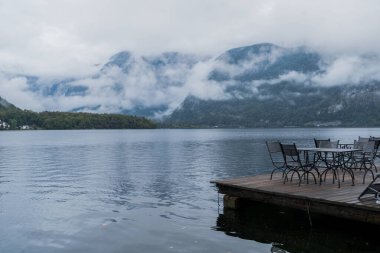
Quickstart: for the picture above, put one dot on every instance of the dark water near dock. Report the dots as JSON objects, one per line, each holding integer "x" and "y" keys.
{"x": 149, "y": 191}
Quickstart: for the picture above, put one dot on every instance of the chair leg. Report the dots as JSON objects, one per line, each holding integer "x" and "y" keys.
{"x": 351, "y": 173}
{"x": 373, "y": 165}
{"x": 271, "y": 174}
{"x": 309, "y": 172}
{"x": 324, "y": 179}
{"x": 291, "y": 178}
{"x": 286, "y": 176}
{"x": 322, "y": 176}
{"x": 306, "y": 174}
{"x": 316, "y": 169}
{"x": 299, "y": 176}
{"x": 365, "y": 174}
{"x": 337, "y": 176}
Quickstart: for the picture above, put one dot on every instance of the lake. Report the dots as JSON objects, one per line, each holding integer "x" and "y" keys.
{"x": 149, "y": 191}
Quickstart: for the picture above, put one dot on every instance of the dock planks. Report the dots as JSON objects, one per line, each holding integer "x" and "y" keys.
{"x": 326, "y": 198}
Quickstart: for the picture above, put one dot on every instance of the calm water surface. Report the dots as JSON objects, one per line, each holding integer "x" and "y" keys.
{"x": 145, "y": 191}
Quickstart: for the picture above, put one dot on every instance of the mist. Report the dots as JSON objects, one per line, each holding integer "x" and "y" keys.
{"x": 136, "y": 83}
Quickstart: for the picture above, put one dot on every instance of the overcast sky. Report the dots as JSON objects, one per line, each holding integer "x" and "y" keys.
{"x": 68, "y": 37}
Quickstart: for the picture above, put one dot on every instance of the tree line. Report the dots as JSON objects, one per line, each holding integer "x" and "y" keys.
{"x": 16, "y": 118}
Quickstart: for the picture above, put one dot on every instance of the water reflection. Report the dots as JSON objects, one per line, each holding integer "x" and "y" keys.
{"x": 289, "y": 230}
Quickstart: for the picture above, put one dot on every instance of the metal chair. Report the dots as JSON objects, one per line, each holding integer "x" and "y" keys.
{"x": 327, "y": 161}
{"x": 365, "y": 159}
{"x": 295, "y": 165}
{"x": 373, "y": 189}
{"x": 275, "y": 153}
{"x": 320, "y": 144}
{"x": 320, "y": 159}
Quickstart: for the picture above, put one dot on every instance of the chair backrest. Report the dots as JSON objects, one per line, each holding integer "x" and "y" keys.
{"x": 273, "y": 146}
{"x": 365, "y": 146}
{"x": 363, "y": 139}
{"x": 359, "y": 144}
{"x": 369, "y": 147}
{"x": 290, "y": 153}
{"x": 321, "y": 143}
{"x": 377, "y": 141}
{"x": 334, "y": 144}
{"x": 326, "y": 143}
{"x": 275, "y": 152}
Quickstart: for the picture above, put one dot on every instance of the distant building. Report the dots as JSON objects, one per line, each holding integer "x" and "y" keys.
{"x": 4, "y": 125}
{"x": 25, "y": 127}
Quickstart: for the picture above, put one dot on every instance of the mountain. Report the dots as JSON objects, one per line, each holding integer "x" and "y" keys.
{"x": 286, "y": 105}
{"x": 261, "y": 85}
{"x": 270, "y": 86}
{"x": 155, "y": 85}
{"x": 127, "y": 83}
{"x": 5, "y": 105}
{"x": 263, "y": 62}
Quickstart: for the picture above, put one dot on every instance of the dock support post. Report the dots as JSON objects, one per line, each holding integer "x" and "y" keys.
{"x": 231, "y": 202}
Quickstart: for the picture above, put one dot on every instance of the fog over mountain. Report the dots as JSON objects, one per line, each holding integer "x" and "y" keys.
{"x": 156, "y": 85}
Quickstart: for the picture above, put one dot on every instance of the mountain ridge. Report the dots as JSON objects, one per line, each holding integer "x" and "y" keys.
{"x": 244, "y": 82}
{"x": 314, "y": 108}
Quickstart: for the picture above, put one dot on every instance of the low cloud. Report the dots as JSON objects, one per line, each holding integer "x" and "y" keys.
{"x": 163, "y": 86}
{"x": 16, "y": 90}
{"x": 200, "y": 86}
{"x": 351, "y": 70}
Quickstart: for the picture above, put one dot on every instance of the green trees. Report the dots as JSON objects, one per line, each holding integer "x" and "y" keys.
{"x": 17, "y": 118}
{"x": 67, "y": 120}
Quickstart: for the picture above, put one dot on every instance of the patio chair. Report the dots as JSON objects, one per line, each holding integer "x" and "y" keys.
{"x": 365, "y": 159}
{"x": 320, "y": 159}
{"x": 295, "y": 165}
{"x": 327, "y": 161}
{"x": 275, "y": 153}
{"x": 320, "y": 144}
{"x": 373, "y": 189}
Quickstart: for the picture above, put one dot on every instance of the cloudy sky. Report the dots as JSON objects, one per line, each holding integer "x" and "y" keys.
{"x": 71, "y": 38}
{"x": 61, "y": 37}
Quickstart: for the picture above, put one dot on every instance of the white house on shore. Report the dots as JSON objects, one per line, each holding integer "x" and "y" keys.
{"x": 4, "y": 125}
{"x": 25, "y": 127}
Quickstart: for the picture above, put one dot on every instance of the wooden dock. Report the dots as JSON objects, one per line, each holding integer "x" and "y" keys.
{"x": 326, "y": 198}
